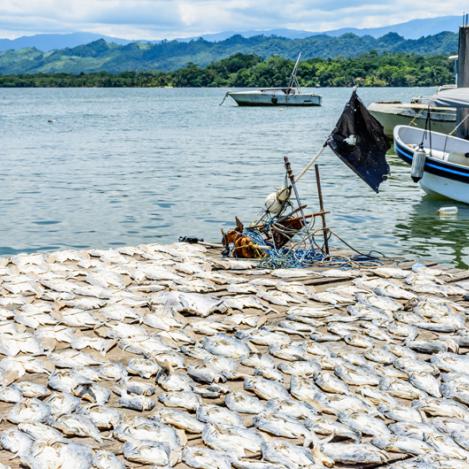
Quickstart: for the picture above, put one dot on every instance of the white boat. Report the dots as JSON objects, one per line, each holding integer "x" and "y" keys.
{"x": 393, "y": 113}
{"x": 439, "y": 162}
{"x": 290, "y": 95}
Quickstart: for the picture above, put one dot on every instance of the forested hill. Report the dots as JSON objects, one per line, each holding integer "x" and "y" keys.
{"x": 240, "y": 70}
{"x": 102, "y": 56}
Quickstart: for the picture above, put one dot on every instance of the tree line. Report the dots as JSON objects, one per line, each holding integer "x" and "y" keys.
{"x": 250, "y": 70}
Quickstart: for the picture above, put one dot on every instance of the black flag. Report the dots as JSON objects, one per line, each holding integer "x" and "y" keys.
{"x": 359, "y": 141}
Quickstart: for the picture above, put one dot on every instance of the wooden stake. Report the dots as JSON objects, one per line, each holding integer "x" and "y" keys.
{"x": 291, "y": 176}
{"x": 325, "y": 230}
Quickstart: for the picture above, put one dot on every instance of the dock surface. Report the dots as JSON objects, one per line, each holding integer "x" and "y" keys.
{"x": 171, "y": 356}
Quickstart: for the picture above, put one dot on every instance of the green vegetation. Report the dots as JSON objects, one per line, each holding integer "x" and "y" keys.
{"x": 241, "y": 70}
{"x": 102, "y": 56}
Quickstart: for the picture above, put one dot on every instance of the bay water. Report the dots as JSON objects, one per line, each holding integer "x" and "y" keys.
{"x": 102, "y": 168}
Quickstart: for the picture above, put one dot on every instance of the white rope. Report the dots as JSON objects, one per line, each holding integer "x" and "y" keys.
{"x": 310, "y": 164}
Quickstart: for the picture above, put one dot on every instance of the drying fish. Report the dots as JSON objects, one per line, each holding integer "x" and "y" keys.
{"x": 401, "y": 389}
{"x": 77, "y": 425}
{"x": 281, "y": 425}
{"x": 277, "y": 297}
{"x": 39, "y": 431}
{"x": 135, "y": 402}
{"x": 10, "y": 394}
{"x": 204, "y": 458}
{"x": 291, "y": 408}
{"x": 180, "y": 419}
{"x": 401, "y": 444}
{"x": 218, "y": 416}
{"x": 435, "y": 407}
{"x": 364, "y": 424}
{"x": 291, "y": 352}
{"x": 62, "y": 403}
{"x": 301, "y": 368}
{"x": 106, "y": 460}
{"x": 287, "y": 454}
{"x": 226, "y": 346}
{"x": 45, "y": 454}
{"x": 92, "y": 392}
{"x": 356, "y": 376}
{"x": 426, "y": 383}
{"x": 194, "y": 304}
{"x": 105, "y": 418}
{"x": 243, "y": 402}
{"x": 147, "y": 452}
{"x": 236, "y": 440}
{"x": 29, "y": 411}
{"x": 264, "y": 336}
{"x": 450, "y": 361}
{"x": 346, "y": 453}
{"x": 184, "y": 399}
{"x": 143, "y": 367}
{"x": 400, "y": 413}
{"x": 16, "y": 442}
{"x": 265, "y": 389}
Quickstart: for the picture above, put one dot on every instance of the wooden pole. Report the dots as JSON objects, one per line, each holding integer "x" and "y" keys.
{"x": 291, "y": 176}
{"x": 463, "y": 79}
{"x": 325, "y": 230}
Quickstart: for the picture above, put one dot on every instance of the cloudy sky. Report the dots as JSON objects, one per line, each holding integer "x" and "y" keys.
{"x": 155, "y": 19}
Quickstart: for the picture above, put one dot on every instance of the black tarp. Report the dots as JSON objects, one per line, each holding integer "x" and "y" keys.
{"x": 359, "y": 141}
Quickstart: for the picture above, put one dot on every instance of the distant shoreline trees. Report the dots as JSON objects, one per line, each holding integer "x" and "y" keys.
{"x": 250, "y": 70}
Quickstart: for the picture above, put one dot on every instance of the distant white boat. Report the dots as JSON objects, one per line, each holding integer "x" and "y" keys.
{"x": 414, "y": 113}
{"x": 290, "y": 95}
{"x": 391, "y": 114}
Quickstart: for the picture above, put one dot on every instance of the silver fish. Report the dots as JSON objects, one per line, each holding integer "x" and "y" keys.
{"x": 205, "y": 458}
{"x": 426, "y": 382}
{"x": 238, "y": 441}
{"x": 147, "y": 452}
{"x": 180, "y": 419}
{"x": 401, "y": 444}
{"x": 347, "y": 453}
{"x": 29, "y": 410}
{"x": 16, "y": 442}
{"x": 265, "y": 389}
{"x": 106, "y": 460}
{"x": 287, "y": 454}
{"x": 78, "y": 425}
{"x": 135, "y": 402}
{"x": 218, "y": 416}
{"x": 243, "y": 402}
{"x": 184, "y": 399}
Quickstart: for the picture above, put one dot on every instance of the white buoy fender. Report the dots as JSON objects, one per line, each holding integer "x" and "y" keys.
{"x": 418, "y": 163}
{"x": 275, "y": 201}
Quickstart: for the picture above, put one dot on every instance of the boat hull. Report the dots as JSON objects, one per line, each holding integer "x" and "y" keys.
{"x": 264, "y": 99}
{"x": 391, "y": 115}
{"x": 439, "y": 177}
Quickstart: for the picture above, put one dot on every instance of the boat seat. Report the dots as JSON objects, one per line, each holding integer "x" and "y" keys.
{"x": 441, "y": 155}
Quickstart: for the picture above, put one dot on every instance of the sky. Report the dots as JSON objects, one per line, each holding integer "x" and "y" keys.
{"x": 157, "y": 19}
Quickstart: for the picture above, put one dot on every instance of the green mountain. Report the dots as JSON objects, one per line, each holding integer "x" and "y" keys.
{"x": 102, "y": 56}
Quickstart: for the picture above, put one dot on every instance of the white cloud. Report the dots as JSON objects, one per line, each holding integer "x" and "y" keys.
{"x": 176, "y": 18}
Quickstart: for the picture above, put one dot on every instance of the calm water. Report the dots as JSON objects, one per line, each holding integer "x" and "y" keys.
{"x": 127, "y": 166}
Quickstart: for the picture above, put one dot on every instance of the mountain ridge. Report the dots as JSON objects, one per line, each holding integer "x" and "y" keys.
{"x": 412, "y": 29}
{"x": 104, "y": 56}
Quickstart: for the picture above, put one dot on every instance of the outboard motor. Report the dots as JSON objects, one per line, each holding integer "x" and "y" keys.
{"x": 418, "y": 164}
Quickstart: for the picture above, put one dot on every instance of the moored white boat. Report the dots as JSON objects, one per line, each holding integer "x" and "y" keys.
{"x": 290, "y": 95}
{"x": 275, "y": 97}
{"x": 443, "y": 161}
{"x": 393, "y": 113}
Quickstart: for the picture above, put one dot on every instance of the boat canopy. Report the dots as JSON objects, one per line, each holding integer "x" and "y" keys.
{"x": 456, "y": 97}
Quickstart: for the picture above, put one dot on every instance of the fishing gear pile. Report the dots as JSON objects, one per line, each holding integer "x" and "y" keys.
{"x": 285, "y": 236}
